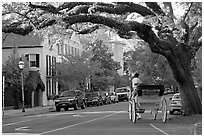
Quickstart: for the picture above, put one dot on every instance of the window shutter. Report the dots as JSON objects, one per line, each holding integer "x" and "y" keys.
{"x": 47, "y": 65}
{"x": 37, "y": 60}
{"x": 27, "y": 57}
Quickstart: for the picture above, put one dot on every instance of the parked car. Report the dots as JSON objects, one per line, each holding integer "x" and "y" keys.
{"x": 106, "y": 98}
{"x": 114, "y": 97}
{"x": 122, "y": 93}
{"x": 94, "y": 98}
{"x": 70, "y": 99}
{"x": 175, "y": 104}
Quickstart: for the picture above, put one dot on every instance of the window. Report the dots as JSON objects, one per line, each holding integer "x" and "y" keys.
{"x": 33, "y": 59}
{"x": 60, "y": 49}
{"x": 69, "y": 50}
{"x": 53, "y": 66}
{"x": 53, "y": 86}
{"x": 48, "y": 87}
{"x": 66, "y": 49}
{"x": 75, "y": 51}
{"x": 72, "y": 52}
{"x": 48, "y": 65}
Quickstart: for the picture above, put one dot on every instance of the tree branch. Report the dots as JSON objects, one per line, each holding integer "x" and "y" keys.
{"x": 123, "y": 8}
{"x": 125, "y": 30}
{"x": 78, "y": 9}
{"x": 16, "y": 30}
{"x": 5, "y": 37}
{"x": 155, "y": 7}
{"x": 48, "y": 8}
{"x": 70, "y": 5}
{"x": 188, "y": 10}
{"x": 170, "y": 11}
{"x": 122, "y": 26}
{"x": 89, "y": 30}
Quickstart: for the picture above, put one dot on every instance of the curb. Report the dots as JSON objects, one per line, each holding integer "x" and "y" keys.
{"x": 196, "y": 128}
{"x": 8, "y": 115}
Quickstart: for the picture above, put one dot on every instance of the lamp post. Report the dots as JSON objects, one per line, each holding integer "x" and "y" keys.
{"x": 21, "y": 65}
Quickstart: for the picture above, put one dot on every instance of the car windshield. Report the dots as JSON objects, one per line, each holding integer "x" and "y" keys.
{"x": 176, "y": 97}
{"x": 121, "y": 90}
{"x": 94, "y": 94}
{"x": 104, "y": 94}
{"x": 67, "y": 94}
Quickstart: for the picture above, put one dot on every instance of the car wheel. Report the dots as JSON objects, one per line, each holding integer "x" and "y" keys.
{"x": 98, "y": 103}
{"x": 66, "y": 108}
{"x": 171, "y": 112}
{"x": 58, "y": 109}
{"x": 83, "y": 106}
{"x": 76, "y": 107}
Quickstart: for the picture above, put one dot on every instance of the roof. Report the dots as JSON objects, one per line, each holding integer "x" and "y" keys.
{"x": 12, "y": 40}
{"x": 75, "y": 38}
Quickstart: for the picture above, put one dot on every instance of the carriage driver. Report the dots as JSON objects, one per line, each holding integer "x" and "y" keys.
{"x": 135, "y": 83}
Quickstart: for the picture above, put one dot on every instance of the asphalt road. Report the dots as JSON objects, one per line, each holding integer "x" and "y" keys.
{"x": 103, "y": 120}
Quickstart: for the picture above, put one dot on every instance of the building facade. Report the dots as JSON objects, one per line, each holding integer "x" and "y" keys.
{"x": 40, "y": 58}
{"x": 69, "y": 46}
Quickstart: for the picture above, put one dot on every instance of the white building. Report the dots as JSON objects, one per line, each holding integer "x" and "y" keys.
{"x": 117, "y": 47}
{"x": 42, "y": 57}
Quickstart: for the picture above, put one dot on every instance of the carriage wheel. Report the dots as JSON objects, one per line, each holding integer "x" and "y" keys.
{"x": 130, "y": 111}
{"x": 134, "y": 112}
{"x": 155, "y": 116}
{"x": 164, "y": 110}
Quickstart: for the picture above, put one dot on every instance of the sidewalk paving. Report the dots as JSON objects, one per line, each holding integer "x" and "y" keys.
{"x": 197, "y": 127}
{"x": 28, "y": 111}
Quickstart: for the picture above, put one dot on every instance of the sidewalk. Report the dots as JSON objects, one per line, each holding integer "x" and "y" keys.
{"x": 28, "y": 111}
{"x": 198, "y": 128}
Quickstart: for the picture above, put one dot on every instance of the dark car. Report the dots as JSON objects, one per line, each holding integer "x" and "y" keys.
{"x": 94, "y": 98}
{"x": 70, "y": 99}
{"x": 106, "y": 98}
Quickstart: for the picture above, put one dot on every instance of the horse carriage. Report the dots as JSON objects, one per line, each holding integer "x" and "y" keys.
{"x": 149, "y": 93}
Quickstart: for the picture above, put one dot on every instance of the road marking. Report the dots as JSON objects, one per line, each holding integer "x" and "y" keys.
{"x": 22, "y": 129}
{"x": 79, "y": 123}
{"x": 102, "y": 112}
{"x": 159, "y": 129}
{"x": 55, "y": 114}
{"x": 78, "y": 116}
{"x": 19, "y": 134}
{"x": 16, "y": 122}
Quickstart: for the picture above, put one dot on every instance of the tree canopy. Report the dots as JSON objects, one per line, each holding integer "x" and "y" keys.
{"x": 154, "y": 68}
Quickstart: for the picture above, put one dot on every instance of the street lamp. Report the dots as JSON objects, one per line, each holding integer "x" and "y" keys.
{"x": 21, "y": 65}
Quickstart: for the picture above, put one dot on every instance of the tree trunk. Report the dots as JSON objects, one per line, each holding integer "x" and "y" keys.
{"x": 180, "y": 64}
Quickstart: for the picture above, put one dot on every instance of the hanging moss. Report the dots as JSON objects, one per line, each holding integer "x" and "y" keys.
{"x": 34, "y": 81}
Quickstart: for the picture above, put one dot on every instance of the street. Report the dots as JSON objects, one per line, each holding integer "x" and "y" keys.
{"x": 97, "y": 120}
